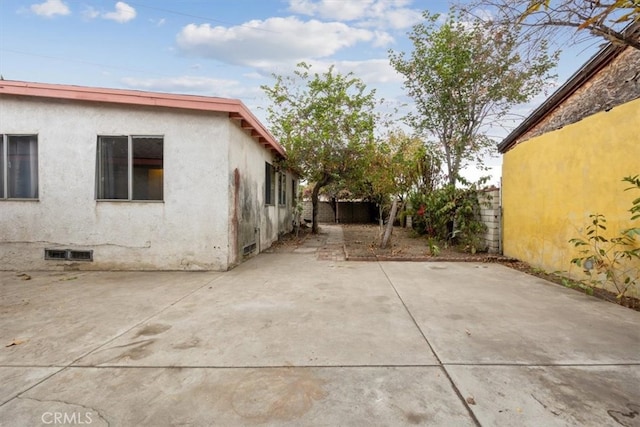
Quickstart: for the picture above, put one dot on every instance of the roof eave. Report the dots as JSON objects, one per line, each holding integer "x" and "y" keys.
{"x": 235, "y": 108}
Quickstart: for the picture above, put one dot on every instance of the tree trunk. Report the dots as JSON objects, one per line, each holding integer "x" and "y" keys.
{"x": 314, "y": 202}
{"x": 314, "y": 210}
{"x": 390, "y": 221}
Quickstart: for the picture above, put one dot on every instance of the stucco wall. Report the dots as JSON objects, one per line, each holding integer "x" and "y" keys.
{"x": 188, "y": 230}
{"x": 551, "y": 184}
{"x": 253, "y": 224}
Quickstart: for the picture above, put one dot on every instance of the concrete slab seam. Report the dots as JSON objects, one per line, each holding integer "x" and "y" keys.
{"x": 446, "y": 373}
{"x": 542, "y": 365}
{"x": 222, "y": 367}
{"x": 19, "y": 394}
{"x": 142, "y": 322}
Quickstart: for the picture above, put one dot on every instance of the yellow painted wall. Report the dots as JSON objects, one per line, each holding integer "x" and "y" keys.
{"x": 552, "y": 183}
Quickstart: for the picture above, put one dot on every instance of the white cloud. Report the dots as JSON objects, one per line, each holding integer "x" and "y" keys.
{"x": 401, "y": 18}
{"x": 365, "y": 13}
{"x": 382, "y": 39}
{"x": 158, "y": 22}
{"x": 224, "y": 88}
{"x": 262, "y": 43}
{"x": 90, "y": 13}
{"x": 123, "y": 13}
{"x": 50, "y": 8}
{"x": 253, "y": 76}
{"x": 331, "y": 9}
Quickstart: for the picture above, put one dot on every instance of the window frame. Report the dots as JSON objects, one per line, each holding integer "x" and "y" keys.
{"x": 294, "y": 196}
{"x": 282, "y": 189}
{"x": 4, "y": 166}
{"x": 269, "y": 184}
{"x": 130, "y": 168}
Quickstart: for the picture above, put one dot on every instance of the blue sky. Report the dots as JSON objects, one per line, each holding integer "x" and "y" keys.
{"x": 225, "y": 48}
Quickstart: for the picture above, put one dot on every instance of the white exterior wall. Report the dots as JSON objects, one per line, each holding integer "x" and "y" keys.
{"x": 251, "y": 221}
{"x": 285, "y": 212}
{"x": 188, "y": 230}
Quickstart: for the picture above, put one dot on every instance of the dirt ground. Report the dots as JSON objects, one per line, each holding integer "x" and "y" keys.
{"x": 361, "y": 243}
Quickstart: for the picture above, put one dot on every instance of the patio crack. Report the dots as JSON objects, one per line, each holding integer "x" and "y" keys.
{"x": 89, "y": 408}
{"x": 444, "y": 369}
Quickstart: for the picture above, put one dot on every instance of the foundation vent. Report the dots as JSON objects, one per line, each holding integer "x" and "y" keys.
{"x": 67, "y": 255}
{"x": 55, "y": 254}
{"x": 249, "y": 249}
{"x": 79, "y": 255}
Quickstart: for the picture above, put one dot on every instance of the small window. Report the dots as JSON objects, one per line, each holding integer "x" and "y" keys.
{"x": 19, "y": 167}
{"x": 282, "y": 189}
{"x": 269, "y": 184}
{"x": 130, "y": 168}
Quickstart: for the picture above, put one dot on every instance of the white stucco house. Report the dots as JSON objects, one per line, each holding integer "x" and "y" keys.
{"x": 105, "y": 179}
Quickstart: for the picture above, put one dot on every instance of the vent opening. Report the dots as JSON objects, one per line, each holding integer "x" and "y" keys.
{"x": 80, "y": 255}
{"x": 55, "y": 254}
{"x": 68, "y": 254}
{"x": 249, "y": 249}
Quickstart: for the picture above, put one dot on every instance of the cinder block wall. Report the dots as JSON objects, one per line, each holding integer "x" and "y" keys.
{"x": 490, "y": 215}
{"x": 325, "y": 212}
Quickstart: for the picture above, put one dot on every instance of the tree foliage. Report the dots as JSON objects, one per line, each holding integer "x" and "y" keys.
{"x": 398, "y": 164}
{"x": 463, "y": 77}
{"x": 324, "y": 121}
{"x": 606, "y": 19}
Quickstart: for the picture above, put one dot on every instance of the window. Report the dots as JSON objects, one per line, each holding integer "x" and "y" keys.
{"x": 129, "y": 168}
{"x": 282, "y": 189}
{"x": 19, "y": 167}
{"x": 294, "y": 199}
{"x": 269, "y": 184}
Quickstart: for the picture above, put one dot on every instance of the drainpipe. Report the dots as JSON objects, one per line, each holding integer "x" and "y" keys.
{"x": 500, "y": 221}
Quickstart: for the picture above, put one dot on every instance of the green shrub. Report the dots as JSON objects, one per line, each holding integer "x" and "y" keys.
{"x": 614, "y": 260}
{"x": 449, "y": 214}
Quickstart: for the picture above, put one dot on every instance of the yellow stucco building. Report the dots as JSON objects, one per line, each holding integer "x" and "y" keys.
{"x": 567, "y": 160}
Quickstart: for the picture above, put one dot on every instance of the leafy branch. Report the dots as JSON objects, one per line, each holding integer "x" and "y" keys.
{"x": 615, "y": 260}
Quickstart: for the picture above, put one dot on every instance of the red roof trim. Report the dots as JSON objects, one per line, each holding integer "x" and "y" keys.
{"x": 235, "y": 108}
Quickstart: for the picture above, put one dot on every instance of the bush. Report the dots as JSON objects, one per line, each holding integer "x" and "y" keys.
{"x": 449, "y": 214}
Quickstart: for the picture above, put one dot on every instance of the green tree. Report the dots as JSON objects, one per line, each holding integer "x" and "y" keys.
{"x": 462, "y": 78}
{"x": 397, "y": 164}
{"x": 606, "y": 19}
{"x": 324, "y": 121}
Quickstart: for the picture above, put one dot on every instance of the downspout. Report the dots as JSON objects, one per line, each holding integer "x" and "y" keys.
{"x": 500, "y": 221}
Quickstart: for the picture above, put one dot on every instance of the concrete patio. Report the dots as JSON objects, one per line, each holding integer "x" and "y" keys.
{"x": 304, "y": 338}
